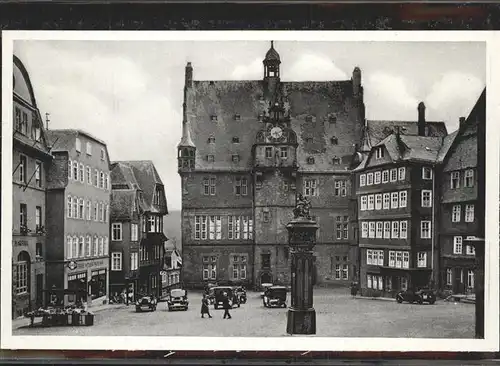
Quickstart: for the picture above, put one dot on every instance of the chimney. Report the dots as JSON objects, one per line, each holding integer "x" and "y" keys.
{"x": 421, "y": 119}
{"x": 461, "y": 122}
{"x": 356, "y": 81}
{"x": 189, "y": 76}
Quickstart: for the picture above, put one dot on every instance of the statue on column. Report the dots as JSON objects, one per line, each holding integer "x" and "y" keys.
{"x": 302, "y": 207}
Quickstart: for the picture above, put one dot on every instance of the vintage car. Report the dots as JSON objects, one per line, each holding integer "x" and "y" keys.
{"x": 241, "y": 293}
{"x": 219, "y": 292}
{"x": 419, "y": 296}
{"x": 177, "y": 300}
{"x": 264, "y": 287}
{"x": 275, "y": 296}
{"x": 146, "y": 303}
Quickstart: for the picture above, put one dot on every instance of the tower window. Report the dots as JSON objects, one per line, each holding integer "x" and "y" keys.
{"x": 336, "y": 160}
{"x": 237, "y": 117}
{"x": 332, "y": 118}
{"x": 236, "y": 158}
{"x": 309, "y": 140}
{"x": 310, "y": 160}
{"x": 236, "y": 140}
{"x": 269, "y": 152}
{"x": 334, "y": 141}
{"x": 309, "y": 118}
{"x": 210, "y": 158}
{"x": 211, "y": 140}
{"x": 213, "y": 117}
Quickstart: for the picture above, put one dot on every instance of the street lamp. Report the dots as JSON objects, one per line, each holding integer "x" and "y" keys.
{"x": 301, "y": 238}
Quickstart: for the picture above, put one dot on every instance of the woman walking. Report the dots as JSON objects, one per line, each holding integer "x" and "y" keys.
{"x": 204, "y": 307}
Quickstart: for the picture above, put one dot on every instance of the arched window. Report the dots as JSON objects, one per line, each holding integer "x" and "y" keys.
{"x": 81, "y": 247}
{"x": 88, "y": 246}
{"x": 75, "y": 247}
{"x": 89, "y": 210}
{"x": 70, "y": 172}
{"x": 101, "y": 246}
{"x": 74, "y": 207}
{"x": 96, "y": 246}
{"x": 81, "y": 208}
{"x": 69, "y": 247}
{"x": 81, "y": 173}
{"x": 75, "y": 170}
{"x": 310, "y": 160}
{"x": 23, "y": 273}
{"x": 106, "y": 245}
{"x": 69, "y": 206}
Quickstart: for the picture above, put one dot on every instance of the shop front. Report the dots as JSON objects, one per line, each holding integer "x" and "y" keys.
{"x": 87, "y": 277}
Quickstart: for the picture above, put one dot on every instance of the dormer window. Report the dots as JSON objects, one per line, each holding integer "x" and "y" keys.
{"x": 237, "y": 117}
{"x": 213, "y": 117}
{"x": 211, "y": 140}
{"x": 78, "y": 145}
{"x": 235, "y": 158}
{"x": 334, "y": 141}
{"x": 103, "y": 155}
{"x": 336, "y": 160}
{"x": 310, "y": 160}
{"x": 309, "y": 140}
{"x": 210, "y": 158}
{"x": 309, "y": 118}
{"x": 236, "y": 140}
{"x": 332, "y": 118}
{"x": 379, "y": 153}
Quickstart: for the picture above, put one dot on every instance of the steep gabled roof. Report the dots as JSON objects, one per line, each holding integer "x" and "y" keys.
{"x": 141, "y": 175}
{"x": 212, "y": 107}
{"x": 122, "y": 203}
{"x": 377, "y": 130}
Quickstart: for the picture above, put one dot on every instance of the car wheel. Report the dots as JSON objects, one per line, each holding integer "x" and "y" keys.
{"x": 216, "y": 306}
{"x": 399, "y": 299}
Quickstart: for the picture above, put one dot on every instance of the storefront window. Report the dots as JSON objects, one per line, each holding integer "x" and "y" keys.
{"x": 77, "y": 281}
{"x": 98, "y": 283}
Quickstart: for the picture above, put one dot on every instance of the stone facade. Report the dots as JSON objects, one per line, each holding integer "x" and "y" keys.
{"x": 30, "y": 161}
{"x": 248, "y": 148}
{"x": 461, "y": 211}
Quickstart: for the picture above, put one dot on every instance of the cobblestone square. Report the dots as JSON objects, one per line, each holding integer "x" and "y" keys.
{"x": 338, "y": 315}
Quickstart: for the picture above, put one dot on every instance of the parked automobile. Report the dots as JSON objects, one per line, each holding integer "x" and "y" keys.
{"x": 419, "y": 296}
{"x": 275, "y": 296}
{"x": 219, "y": 292}
{"x": 241, "y": 293}
{"x": 264, "y": 287}
{"x": 177, "y": 300}
{"x": 146, "y": 303}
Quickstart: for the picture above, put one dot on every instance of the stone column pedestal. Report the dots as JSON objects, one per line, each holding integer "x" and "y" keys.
{"x": 301, "y": 238}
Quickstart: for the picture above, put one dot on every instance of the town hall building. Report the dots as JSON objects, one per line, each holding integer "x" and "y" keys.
{"x": 247, "y": 149}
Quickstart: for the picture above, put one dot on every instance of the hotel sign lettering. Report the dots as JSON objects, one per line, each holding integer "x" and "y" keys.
{"x": 20, "y": 243}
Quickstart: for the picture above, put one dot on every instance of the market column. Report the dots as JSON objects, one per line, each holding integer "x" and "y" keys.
{"x": 302, "y": 238}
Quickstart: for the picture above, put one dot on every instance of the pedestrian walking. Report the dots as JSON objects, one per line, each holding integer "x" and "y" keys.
{"x": 204, "y": 307}
{"x": 130, "y": 297}
{"x": 226, "y": 305}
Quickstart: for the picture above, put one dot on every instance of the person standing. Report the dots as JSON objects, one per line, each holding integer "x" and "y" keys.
{"x": 226, "y": 305}
{"x": 204, "y": 307}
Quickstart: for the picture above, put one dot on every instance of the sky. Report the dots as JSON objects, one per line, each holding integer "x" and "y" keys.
{"x": 129, "y": 93}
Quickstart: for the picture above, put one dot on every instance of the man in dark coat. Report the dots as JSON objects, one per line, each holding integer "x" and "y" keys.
{"x": 204, "y": 307}
{"x": 226, "y": 305}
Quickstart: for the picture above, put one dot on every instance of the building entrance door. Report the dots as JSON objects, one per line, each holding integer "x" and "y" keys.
{"x": 458, "y": 283}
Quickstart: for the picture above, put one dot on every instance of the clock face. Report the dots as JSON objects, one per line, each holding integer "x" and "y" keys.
{"x": 276, "y": 132}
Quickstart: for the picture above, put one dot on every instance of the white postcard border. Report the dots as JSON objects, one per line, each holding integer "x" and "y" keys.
{"x": 286, "y": 343}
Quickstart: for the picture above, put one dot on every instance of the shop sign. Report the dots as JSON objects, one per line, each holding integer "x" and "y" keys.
{"x": 89, "y": 264}
{"x": 20, "y": 243}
